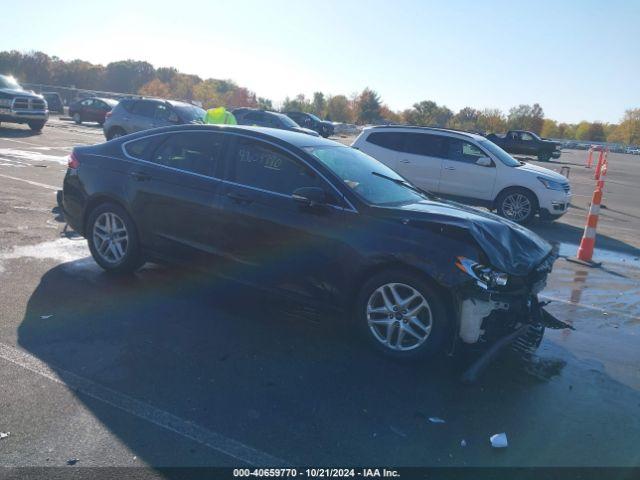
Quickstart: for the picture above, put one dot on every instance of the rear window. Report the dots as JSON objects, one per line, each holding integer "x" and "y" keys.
{"x": 145, "y": 109}
{"x": 127, "y": 105}
{"x": 142, "y": 148}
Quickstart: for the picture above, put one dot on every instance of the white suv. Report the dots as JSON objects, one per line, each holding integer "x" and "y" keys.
{"x": 468, "y": 168}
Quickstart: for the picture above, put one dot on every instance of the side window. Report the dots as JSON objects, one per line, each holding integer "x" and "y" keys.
{"x": 162, "y": 112}
{"x": 526, "y": 137}
{"x": 195, "y": 152}
{"x": 86, "y": 103}
{"x": 424, "y": 144}
{"x": 271, "y": 121}
{"x": 253, "y": 118}
{"x": 142, "y": 148}
{"x": 259, "y": 165}
{"x": 145, "y": 108}
{"x": 127, "y": 105}
{"x": 390, "y": 140}
{"x": 463, "y": 151}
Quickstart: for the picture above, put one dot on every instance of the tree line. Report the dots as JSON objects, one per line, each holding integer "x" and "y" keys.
{"x": 366, "y": 107}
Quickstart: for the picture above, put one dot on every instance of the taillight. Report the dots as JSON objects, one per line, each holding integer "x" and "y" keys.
{"x": 73, "y": 161}
{"x": 108, "y": 114}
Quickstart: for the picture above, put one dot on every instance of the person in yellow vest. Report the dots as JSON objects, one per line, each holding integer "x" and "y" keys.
{"x": 219, "y": 116}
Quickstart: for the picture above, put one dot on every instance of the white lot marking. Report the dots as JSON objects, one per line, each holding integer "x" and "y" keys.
{"x": 19, "y": 141}
{"x": 61, "y": 250}
{"x": 30, "y": 182}
{"x": 35, "y": 156}
{"x": 161, "y": 418}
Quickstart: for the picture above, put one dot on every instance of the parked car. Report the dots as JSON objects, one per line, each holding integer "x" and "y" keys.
{"x": 309, "y": 120}
{"x": 264, "y": 118}
{"x": 469, "y": 168}
{"x": 136, "y": 114}
{"x": 18, "y": 105}
{"x": 54, "y": 102}
{"x": 315, "y": 221}
{"x": 92, "y": 109}
{"x": 526, "y": 143}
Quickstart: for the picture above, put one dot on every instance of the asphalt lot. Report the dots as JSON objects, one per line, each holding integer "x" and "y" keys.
{"x": 174, "y": 368}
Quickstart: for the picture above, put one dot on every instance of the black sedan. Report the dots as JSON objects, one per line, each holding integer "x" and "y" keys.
{"x": 264, "y": 118}
{"x": 315, "y": 221}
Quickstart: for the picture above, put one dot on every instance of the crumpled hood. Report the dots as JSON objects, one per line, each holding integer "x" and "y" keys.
{"x": 543, "y": 172}
{"x": 511, "y": 248}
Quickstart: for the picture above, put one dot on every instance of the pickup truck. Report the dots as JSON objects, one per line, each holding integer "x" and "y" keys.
{"x": 526, "y": 143}
{"x": 18, "y": 105}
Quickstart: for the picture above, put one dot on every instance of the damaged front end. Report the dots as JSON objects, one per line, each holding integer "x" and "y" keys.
{"x": 496, "y": 309}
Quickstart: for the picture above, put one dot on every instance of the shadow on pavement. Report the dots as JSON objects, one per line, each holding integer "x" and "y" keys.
{"x": 258, "y": 371}
{"x": 17, "y": 131}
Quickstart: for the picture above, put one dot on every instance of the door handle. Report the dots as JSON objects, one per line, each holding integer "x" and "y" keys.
{"x": 239, "y": 198}
{"x": 140, "y": 176}
{"x": 449, "y": 168}
{"x": 404, "y": 160}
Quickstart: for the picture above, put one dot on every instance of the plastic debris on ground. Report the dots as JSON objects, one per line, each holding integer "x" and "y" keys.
{"x": 436, "y": 420}
{"x": 499, "y": 440}
{"x": 44, "y": 317}
{"x": 463, "y": 443}
{"x": 72, "y": 461}
{"x": 4, "y": 435}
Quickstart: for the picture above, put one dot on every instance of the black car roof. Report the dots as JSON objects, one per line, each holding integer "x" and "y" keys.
{"x": 296, "y": 139}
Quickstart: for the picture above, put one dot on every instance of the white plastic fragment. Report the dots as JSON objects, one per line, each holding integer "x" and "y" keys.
{"x": 463, "y": 443}
{"x": 499, "y": 440}
{"x": 4, "y": 435}
{"x": 44, "y": 317}
{"x": 436, "y": 420}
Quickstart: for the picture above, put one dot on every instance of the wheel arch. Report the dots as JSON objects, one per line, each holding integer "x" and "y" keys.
{"x": 100, "y": 199}
{"x": 514, "y": 188}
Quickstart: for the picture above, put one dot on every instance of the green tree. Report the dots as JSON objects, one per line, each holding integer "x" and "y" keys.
{"x": 550, "y": 129}
{"x": 465, "y": 119}
{"x": 582, "y": 131}
{"x": 339, "y": 109}
{"x": 428, "y": 113}
{"x": 265, "y": 103}
{"x": 526, "y": 117}
{"x": 491, "y": 120}
{"x": 628, "y": 131}
{"x": 368, "y": 106}
{"x": 128, "y": 75}
{"x": 319, "y": 104}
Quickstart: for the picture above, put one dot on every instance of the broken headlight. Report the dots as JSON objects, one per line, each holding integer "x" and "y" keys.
{"x": 485, "y": 276}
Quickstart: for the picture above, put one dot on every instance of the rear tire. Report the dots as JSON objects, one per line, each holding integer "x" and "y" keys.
{"x": 36, "y": 126}
{"x": 383, "y": 323}
{"x": 113, "y": 239}
{"x": 517, "y": 204}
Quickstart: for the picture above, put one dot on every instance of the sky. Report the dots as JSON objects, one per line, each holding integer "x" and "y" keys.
{"x": 579, "y": 59}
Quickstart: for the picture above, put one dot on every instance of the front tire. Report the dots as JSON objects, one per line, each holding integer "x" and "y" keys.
{"x": 113, "y": 239}
{"x": 400, "y": 314}
{"x": 36, "y": 126}
{"x": 77, "y": 119}
{"x": 544, "y": 157}
{"x": 517, "y": 204}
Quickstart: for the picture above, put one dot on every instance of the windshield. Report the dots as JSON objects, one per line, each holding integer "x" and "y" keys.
{"x": 503, "y": 156}
{"x": 358, "y": 171}
{"x": 9, "y": 82}
{"x": 287, "y": 121}
{"x": 190, "y": 113}
{"x": 314, "y": 117}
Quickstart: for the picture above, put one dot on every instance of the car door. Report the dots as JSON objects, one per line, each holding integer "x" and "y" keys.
{"x": 142, "y": 115}
{"x": 462, "y": 176}
{"x": 84, "y": 109}
{"x": 421, "y": 159}
{"x": 175, "y": 192}
{"x": 528, "y": 145}
{"x": 273, "y": 241}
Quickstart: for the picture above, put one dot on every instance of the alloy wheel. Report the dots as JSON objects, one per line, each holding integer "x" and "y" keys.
{"x": 516, "y": 207}
{"x": 110, "y": 237}
{"x": 399, "y": 316}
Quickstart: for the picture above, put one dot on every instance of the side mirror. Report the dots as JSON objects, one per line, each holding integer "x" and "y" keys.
{"x": 309, "y": 196}
{"x": 484, "y": 162}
